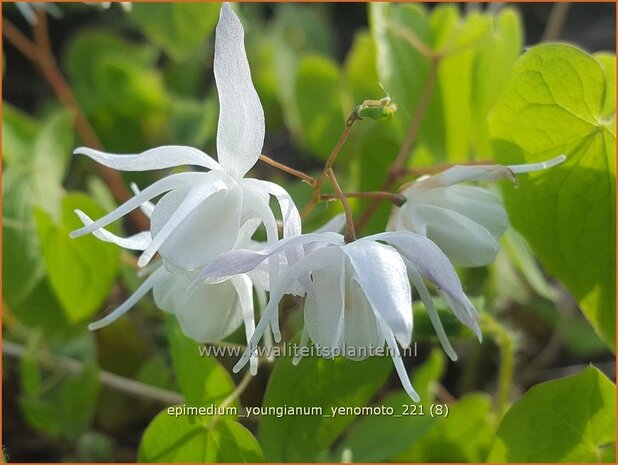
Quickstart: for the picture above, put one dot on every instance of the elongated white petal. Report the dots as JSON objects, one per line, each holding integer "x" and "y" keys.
{"x": 417, "y": 281}
{"x": 529, "y": 167}
{"x": 325, "y": 301}
{"x": 240, "y": 134}
{"x": 289, "y": 212}
{"x": 245, "y": 260}
{"x": 398, "y": 362}
{"x": 128, "y": 304}
{"x": 194, "y": 198}
{"x": 464, "y": 241}
{"x": 304, "y": 266}
{"x": 381, "y": 273}
{"x": 147, "y": 207}
{"x": 244, "y": 289}
{"x": 168, "y": 183}
{"x": 436, "y": 267}
{"x": 168, "y": 156}
{"x": 304, "y": 340}
{"x": 362, "y": 329}
{"x": 137, "y": 241}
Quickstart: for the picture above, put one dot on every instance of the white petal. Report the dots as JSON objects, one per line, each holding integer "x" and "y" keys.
{"x": 417, "y": 281}
{"x": 325, "y": 301}
{"x": 245, "y": 260}
{"x": 194, "y": 226}
{"x": 147, "y": 207}
{"x": 240, "y": 134}
{"x": 398, "y": 362}
{"x": 436, "y": 267}
{"x": 290, "y": 215}
{"x": 138, "y": 241}
{"x": 304, "y": 340}
{"x": 381, "y": 273}
{"x": 529, "y": 167}
{"x": 209, "y": 313}
{"x": 361, "y": 326}
{"x": 168, "y": 156}
{"x": 128, "y": 304}
{"x": 168, "y": 183}
{"x": 244, "y": 289}
{"x": 465, "y": 242}
{"x": 195, "y": 198}
{"x": 302, "y": 267}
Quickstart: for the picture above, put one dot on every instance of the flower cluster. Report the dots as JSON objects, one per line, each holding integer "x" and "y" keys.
{"x": 356, "y": 294}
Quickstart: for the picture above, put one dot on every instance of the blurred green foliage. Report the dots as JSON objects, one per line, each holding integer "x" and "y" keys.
{"x": 145, "y": 79}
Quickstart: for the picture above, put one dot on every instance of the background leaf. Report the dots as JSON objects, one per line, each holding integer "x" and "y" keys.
{"x": 556, "y": 104}
{"x": 572, "y": 419}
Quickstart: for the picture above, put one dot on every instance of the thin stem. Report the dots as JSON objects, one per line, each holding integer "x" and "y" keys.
{"x": 404, "y": 151}
{"x": 506, "y": 343}
{"x": 350, "y": 233}
{"x": 235, "y": 394}
{"x": 112, "y": 380}
{"x": 315, "y": 195}
{"x": 397, "y": 199}
{"x": 556, "y": 21}
{"x": 39, "y": 52}
{"x": 299, "y": 174}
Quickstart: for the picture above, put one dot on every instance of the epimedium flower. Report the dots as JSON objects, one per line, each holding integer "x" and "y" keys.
{"x": 356, "y": 294}
{"x": 209, "y": 312}
{"x": 465, "y": 221}
{"x": 201, "y": 213}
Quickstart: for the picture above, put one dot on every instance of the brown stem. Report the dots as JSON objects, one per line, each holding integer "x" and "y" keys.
{"x": 406, "y": 147}
{"x": 39, "y": 52}
{"x": 299, "y": 174}
{"x": 350, "y": 233}
{"x": 315, "y": 195}
{"x": 397, "y": 199}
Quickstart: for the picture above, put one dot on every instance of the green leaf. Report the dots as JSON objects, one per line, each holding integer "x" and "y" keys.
{"x": 179, "y": 28}
{"x": 360, "y": 69}
{"x": 81, "y": 271}
{"x": 18, "y": 133}
{"x": 37, "y": 165}
{"x": 381, "y": 437}
{"x": 190, "y": 439}
{"x": 463, "y": 436}
{"x": 318, "y": 97}
{"x": 572, "y": 419}
{"x": 119, "y": 89}
{"x": 202, "y": 380}
{"x": 315, "y": 382}
{"x": 556, "y": 105}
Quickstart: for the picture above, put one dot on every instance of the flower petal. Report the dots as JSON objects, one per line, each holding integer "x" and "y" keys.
{"x": 240, "y": 134}
{"x": 245, "y": 260}
{"x": 361, "y": 326}
{"x": 147, "y": 207}
{"x": 289, "y": 212}
{"x": 168, "y": 183}
{"x": 436, "y": 267}
{"x": 381, "y": 273}
{"x": 325, "y": 300}
{"x": 138, "y": 241}
{"x": 244, "y": 289}
{"x": 167, "y": 156}
{"x": 175, "y": 224}
{"x": 128, "y": 304}
{"x": 465, "y": 242}
{"x": 335, "y": 224}
{"x": 529, "y": 167}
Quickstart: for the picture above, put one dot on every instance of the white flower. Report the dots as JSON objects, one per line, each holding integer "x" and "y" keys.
{"x": 357, "y": 294}
{"x": 207, "y": 312}
{"x": 201, "y": 213}
{"x": 466, "y": 222}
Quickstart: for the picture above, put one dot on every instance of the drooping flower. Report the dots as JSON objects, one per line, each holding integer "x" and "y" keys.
{"x": 201, "y": 213}
{"x": 357, "y": 294}
{"x": 465, "y": 221}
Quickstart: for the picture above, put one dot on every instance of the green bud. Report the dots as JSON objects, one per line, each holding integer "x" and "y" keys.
{"x": 376, "y": 109}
